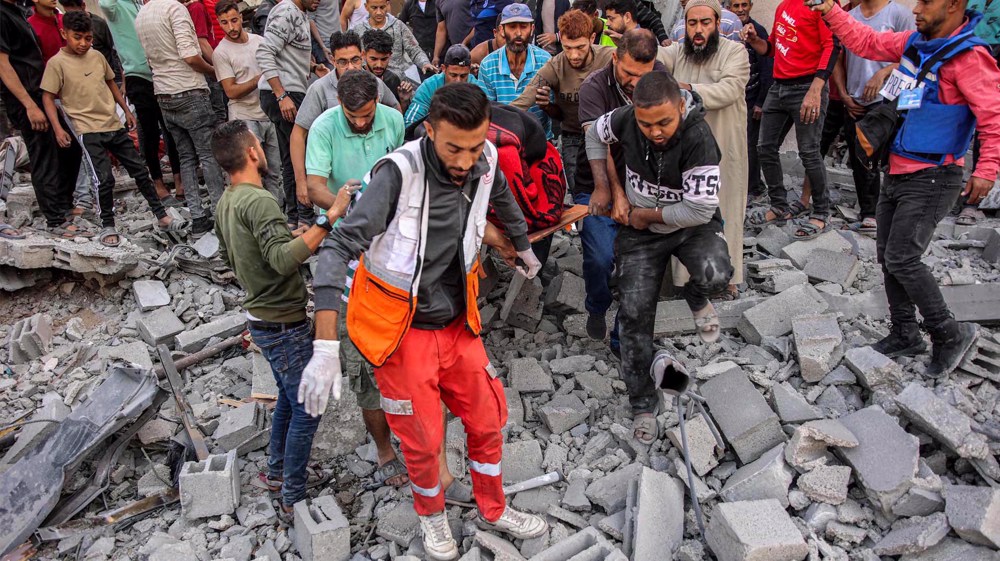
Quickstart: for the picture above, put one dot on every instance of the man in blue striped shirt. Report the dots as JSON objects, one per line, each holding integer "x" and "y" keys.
{"x": 505, "y": 72}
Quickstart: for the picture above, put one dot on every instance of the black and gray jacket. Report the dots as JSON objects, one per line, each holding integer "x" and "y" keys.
{"x": 683, "y": 178}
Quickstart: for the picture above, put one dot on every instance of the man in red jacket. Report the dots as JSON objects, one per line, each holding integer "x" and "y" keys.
{"x": 804, "y": 56}
{"x": 939, "y": 114}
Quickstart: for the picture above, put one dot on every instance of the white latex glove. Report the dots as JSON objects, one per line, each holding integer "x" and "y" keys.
{"x": 321, "y": 377}
{"x": 528, "y": 265}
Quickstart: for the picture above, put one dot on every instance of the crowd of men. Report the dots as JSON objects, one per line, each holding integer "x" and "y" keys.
{"x": 396, "y": 146}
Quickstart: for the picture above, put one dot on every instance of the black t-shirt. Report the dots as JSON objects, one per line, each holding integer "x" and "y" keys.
{"x": 423, "y": 23}
{"x": 599, "y": 94}
{"x": 19, "y": 42}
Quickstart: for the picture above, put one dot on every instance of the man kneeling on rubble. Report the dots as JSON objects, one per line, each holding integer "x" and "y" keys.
{"x": 412, "y": 311}
{"x": 257, "y": 246}
{"x": 669, "y": 205}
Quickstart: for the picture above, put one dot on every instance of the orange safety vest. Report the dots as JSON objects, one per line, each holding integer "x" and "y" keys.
{"x": 384, "y": 291}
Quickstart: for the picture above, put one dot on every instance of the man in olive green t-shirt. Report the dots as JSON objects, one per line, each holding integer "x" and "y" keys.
{"x": 255, "y": 242}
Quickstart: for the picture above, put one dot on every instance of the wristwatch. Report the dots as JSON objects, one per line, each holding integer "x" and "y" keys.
{"x": 323, "y": 221}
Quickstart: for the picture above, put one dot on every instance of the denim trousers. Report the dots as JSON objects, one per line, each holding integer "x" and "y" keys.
{"x": 118, "y": 144}
{"x": 294, "y": 211}
{"x": 292, "y": 429}
{"x": 642, "y": 261}
{"x": 268, "y": 137}
{"x": 781, "y": 108}
{"x": 909, "y": 209}
{"x": 569, "y": 150}
{"x": 190, "y": 120}
{"x": 597, "y": 237}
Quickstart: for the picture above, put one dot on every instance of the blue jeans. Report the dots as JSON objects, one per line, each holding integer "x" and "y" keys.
{"x": 292, "y": 429}
{"x": 598, "y": 240}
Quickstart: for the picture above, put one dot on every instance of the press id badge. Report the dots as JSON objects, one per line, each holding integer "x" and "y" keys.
{"x": 896, "y": 83}
{"x": 910, "y": 99}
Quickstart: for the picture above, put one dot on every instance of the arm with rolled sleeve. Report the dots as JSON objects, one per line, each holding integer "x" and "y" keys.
{"x": 353, "y": 235}
{"x": 184, "y": 33}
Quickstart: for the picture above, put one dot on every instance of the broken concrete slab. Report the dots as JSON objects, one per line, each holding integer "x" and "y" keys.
{"x": 832, "y": 266}
{"x": 321, "y": 530}
{"x": 885, "y": 460}
{"x": 973, "y": 302}
{"x": 572, "y": 365}
{"x": 827, "y": 484}
{"x": 608, "y": 492}
{"x": 340, "y": 430}
{"x": 768, "y": 477}
{"x": 952, "y": 549}
{"x": 791, "y": 406}
{"x": 918, "y": 502}
{"x": 399, "y": 525}
{"x": 659, "y": 519}
{"x": 563, "y": 412}
{"x": 195, "y": 339}
{"x": 974, "y": 513}
{"x": 585, "y": 544}
{"x": 595, "y": 384}
{"x": 819, "y": 344}
{"x": 210, "y": 487}
{"x": 522, "y": 460}
{"x": 242, "y": 428}
{"x": 207, "y": 246}
{"x": 523, "y": 305}
{"x": 807, "y": 448}
{"x": 913, "y": 535}
{"x": 701, "y": 444}
{"x": 673, "y": 317}
{"x": 527, "y": 375}
{"x": 801, "y": 252}
{"x": 150, "y": 294}
{"x": 256, "y": 511}
{"x": 502, "y": 549}
{"x": 774, "y": 275}
{"x": 772, "y": 239}
{"x": 755, "y": 531}
{"x": 742, "y": 415}
{"x": 873, "y": 369}
{"x": 159, "y": 326}
{"x": 34, "y": 433}
{"x": 773, "y": 317}
{"x": 157, "y": 430}
{"x": 945, "y": 423}
{"x": 566, "y": 294}
{"x": 991, "y": 253}
{"x": 135, "y": 353}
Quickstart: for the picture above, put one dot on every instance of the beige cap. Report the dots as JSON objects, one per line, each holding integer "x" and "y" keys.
{"x": 714, "y": 4}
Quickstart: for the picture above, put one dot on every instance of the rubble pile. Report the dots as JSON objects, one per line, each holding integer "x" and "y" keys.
{"x": 832, "y": 451}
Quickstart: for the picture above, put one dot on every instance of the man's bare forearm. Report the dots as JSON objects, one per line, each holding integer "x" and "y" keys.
{"x": 326, "y": 325}
{"x": 12, "y": 82}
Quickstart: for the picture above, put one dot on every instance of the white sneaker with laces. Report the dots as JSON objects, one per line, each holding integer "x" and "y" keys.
{"x": 438, "y": 543}
{"x": 520, "y": 525}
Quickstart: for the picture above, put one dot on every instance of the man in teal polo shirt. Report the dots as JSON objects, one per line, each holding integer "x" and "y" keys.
{"x": 139, "y": 89}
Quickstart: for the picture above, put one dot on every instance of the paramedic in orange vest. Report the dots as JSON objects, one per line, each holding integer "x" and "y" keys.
{"x": 417, "y": 230}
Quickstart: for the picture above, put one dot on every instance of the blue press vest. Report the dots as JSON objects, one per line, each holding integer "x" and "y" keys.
{"x": 936, "y": 130}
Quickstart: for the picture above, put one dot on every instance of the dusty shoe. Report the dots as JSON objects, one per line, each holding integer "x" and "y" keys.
{"x": 517, "y": 524}
{"x": 201, "y": 226}
{"x": 902, "y": 340}
{"x": 438, "y": 543}
{"x": 951, "y": 342}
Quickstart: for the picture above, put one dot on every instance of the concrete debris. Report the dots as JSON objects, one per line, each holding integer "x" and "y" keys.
{"x": 768, "y": 477}
{"x": 944, "y": 422}
{"x": 701, "y": 444}
{"x": 566, "y": 294}
{"x": 522, "y": 460}
{"x": 913, "y": 535}
{"x": 502, "y": 549}
{"x": 659, "y": 519}
{"x": 801, "y": 253}
{"x": 399, "y": 525}
{"x": 983, "y": 360}
{"x": 755, "y": 531}
{"x": 774, "y": 275}
{"x": 563, "y": 412}
{"x": 256, "y": 511}
{"x": 974, "y": 513}
{"x": 585, "y": 544}
{"x": 210, "y": 487}
{"x": 826, "y": 484}
{"x": 159, "y": 326}
{"x": 773, "y": 317}
{"x": 885, "y": 459}
{"x": 819, "y": 344}
{"x": 832, "y": 266}
{"x": 953, "y": 549}
{"x": 608, "y": 492}
{"x": 196, "y": 339}
{"x": 572, "y": 365}
{"x": 742, "y": 415}
{"x": 526, "y": 375}
{"x": 918, "y": 502}
{"x": 242, "y": 428}
{"x": 30, "y": 338}
{"x": 523, "y": 304}
{"x": 321, "y": 530}
{"x": 673, "y": 317}
{"x": 791, "y": 406}
{"x": 150, "y": 294}
{"x": 808, "y": 446}
{"x": 874, "y": 370}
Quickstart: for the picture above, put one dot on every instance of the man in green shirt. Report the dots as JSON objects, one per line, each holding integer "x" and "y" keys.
{"x": 256, "y": 244}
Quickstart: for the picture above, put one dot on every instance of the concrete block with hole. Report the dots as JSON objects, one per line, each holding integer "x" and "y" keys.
{"x": 321, "y": 530}
{"x": 210, "y": 487}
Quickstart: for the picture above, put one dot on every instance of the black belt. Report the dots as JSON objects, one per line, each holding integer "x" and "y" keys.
{"x": 274, "y": 327}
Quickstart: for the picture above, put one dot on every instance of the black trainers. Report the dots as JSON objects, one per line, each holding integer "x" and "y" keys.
{"x": 903, "y": 340}
{"x": 201, "y": 226}
{"x": 597, "y": 327}
{"x": 951, "y": 342}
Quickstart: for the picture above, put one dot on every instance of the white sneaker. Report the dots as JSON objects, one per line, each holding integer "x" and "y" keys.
{"x": 521, "y": 525}
{"x": 438, "y": 543}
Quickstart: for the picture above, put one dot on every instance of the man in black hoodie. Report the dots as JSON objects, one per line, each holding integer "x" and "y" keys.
{"x": 668, "y": 168}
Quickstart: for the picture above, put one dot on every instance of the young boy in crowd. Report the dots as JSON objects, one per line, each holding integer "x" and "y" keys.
{"x": 84, "y": 82}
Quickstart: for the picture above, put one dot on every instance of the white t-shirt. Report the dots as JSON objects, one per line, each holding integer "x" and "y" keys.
{"x": 239, "y": 61}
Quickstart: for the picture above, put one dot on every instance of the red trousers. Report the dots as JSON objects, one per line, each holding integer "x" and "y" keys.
{"x": 447, "y": 365}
